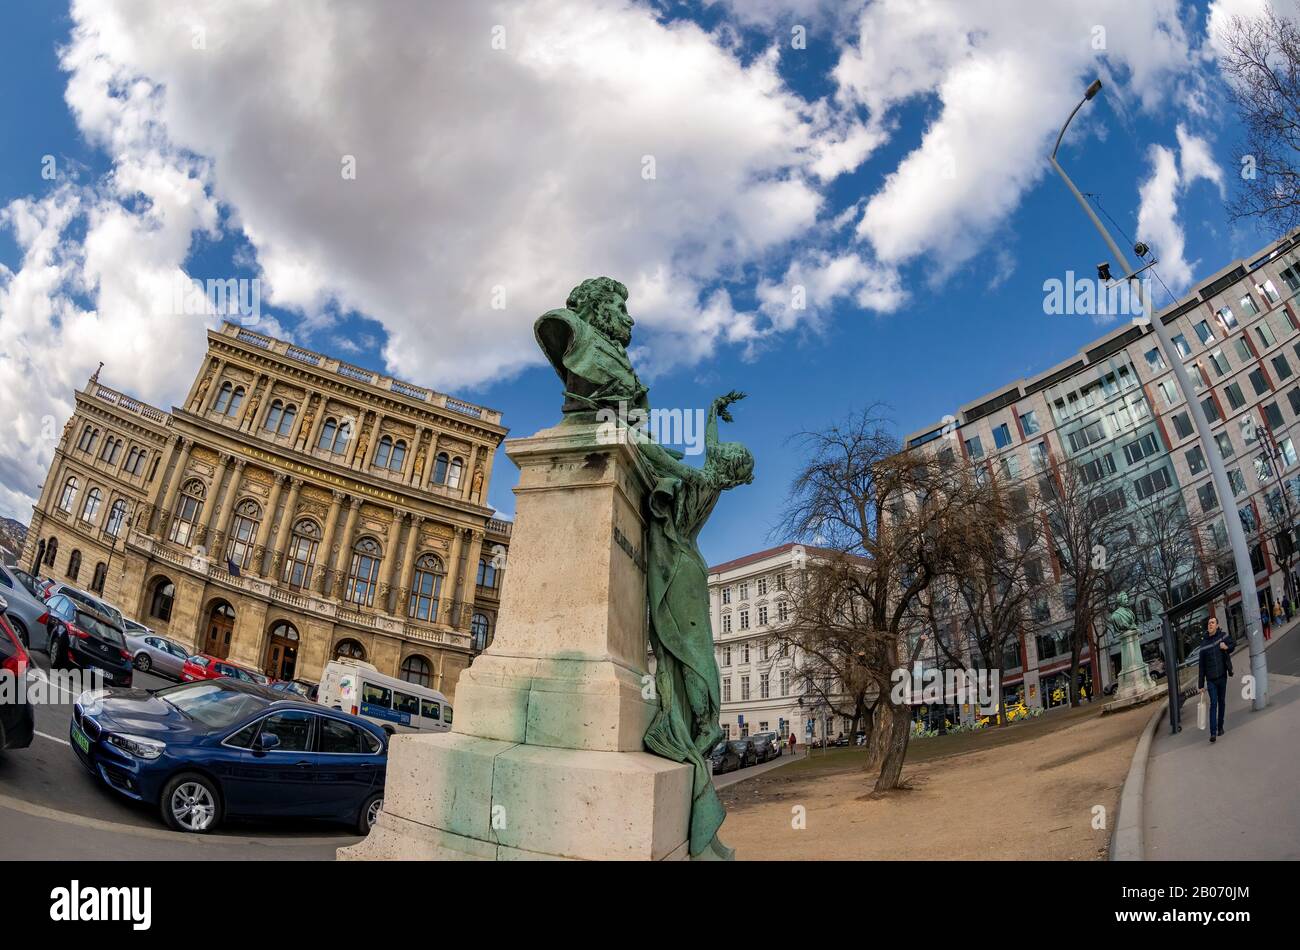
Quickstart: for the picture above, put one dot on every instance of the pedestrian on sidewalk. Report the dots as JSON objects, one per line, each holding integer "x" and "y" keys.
{"x": 1215, "y": 666}
{"x": 1277, "y": 613}
{"x": 1286, "y": 605}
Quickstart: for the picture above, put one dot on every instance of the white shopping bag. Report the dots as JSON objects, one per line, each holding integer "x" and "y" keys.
{"x": 1202, "y": 713}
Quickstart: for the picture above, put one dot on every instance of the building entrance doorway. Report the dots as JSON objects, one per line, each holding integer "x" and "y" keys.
{"x": 281, "y": 652}
{"x": 220, "y": 628}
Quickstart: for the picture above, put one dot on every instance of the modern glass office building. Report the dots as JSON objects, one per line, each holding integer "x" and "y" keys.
{"x": 1114, "y": 410}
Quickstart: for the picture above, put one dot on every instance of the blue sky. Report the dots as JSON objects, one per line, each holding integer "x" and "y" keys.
{"x": 944, "y": 301}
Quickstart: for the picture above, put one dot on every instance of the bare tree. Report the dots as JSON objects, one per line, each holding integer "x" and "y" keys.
{"x": 1169, "y": 548}
{"x": 996, "y": 572}
{"x": 1260, "y": 59}
{"x": 824, "y": 627}
{"x": 1093, "y": 541}
{"x": 1278, "y": 531}
{"x": 887, "y": 516}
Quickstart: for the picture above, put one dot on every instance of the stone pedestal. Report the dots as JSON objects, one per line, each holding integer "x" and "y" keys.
{"x": 1134, "y": 677}
{"x": 545, "y": 758}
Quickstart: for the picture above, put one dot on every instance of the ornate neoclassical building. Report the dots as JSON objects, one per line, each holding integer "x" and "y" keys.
{"x": 294, "y": 509}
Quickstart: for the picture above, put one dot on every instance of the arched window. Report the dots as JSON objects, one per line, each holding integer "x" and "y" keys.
{"x": 90, "y": 510}
{"x": 74, "y": 565}
{"x": 416, "y": 669}
{"x": 427, "y": 588}
{"x": 273, "y": 415}
{"x": 224, "y": 396}
{"x": 279, "y": 418}
{"x": 480, "y": 631}
{"x": 69, "y": 496}
{"x": 487, "y": 573}
{"x": 236, "y": 400}
{"x": 453, "y": 473}
{"x": 116, "y": 515}
{"x": 286, "y": 420}
{"x": 284, "y": 630}
{"x": 440, "y": 469}
{"x": 134, "y": 461}
{"x": 363, "y": 578}
{"x": 87, "y": 440}
{"x": 110, "y": 452}
{"x": 240, "y": 547}
{"x": 334, "y": 437}
{"x": 51, "y": 552}
{"x": 101, "y": 574}
{"x": 301, "y": 558}
{"x": 162, "y": 594}
{"x": 349, "y": 649}
{"x": 188, "y": 509}
{"x": 384, "y": 452}
{"x": 399, "y": 456}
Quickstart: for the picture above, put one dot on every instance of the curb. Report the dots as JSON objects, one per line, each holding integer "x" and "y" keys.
{"x": 1126, "y": 843}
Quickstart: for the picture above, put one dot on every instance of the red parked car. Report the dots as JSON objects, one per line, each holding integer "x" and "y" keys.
{"x": 17, "y": 720}
{"x": 201, "y": 666}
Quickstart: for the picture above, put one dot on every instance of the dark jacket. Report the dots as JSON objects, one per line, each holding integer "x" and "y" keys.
{"x": 1215, "y": 664}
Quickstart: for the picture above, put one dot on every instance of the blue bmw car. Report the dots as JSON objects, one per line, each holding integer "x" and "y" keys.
{"x": 224, "y": 748}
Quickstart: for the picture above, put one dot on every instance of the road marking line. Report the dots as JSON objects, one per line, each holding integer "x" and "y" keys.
{"x": 45, "y": 735}
{"x": 117, "y": 827}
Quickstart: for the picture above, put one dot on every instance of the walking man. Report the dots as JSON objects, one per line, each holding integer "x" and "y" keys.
{"x": 1215, "y": 666}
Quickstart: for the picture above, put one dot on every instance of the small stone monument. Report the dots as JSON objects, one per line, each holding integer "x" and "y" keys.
{"x": 564, "y": 745}
{"x": 1134, "y": 677}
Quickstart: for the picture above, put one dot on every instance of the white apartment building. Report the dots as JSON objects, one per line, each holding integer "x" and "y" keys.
{"x": 761, "y": 689}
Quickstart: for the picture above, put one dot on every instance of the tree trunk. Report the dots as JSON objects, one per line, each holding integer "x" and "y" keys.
{"x": 891, "y": 727}
{"x": 1002, "y": 709}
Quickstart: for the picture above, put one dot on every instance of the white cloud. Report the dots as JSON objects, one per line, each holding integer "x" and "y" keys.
{"x": 1159, "y": 194}
{"x": 1158, "y": 218}
{"x": 524, "y": 169}
{"x": 1195, "y": 160}
{"x": 1003, "y": 75}
{"x": 478, "y": 167}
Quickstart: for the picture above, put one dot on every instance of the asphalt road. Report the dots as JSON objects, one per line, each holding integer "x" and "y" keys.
{"x": 52, "y": 808}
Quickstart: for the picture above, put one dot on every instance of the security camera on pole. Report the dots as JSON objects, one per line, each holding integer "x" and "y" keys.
{"x": 1236, "y": 536}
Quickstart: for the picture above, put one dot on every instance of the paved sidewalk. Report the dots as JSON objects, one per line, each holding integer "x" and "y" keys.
{"x": 1239, "y": 798}
{"x": 731, "y": 778}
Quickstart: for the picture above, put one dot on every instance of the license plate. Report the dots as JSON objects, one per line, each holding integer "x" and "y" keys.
{"x": 81, "y": 739}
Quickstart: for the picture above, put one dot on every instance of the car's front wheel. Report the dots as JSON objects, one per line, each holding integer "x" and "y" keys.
{"x": 142, "y": 662}
{"x": 370, "y": 813}
{"x": 191, "y": 802}
{"x": 21, "y": 631}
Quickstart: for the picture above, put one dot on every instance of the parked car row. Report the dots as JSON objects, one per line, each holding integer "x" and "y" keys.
{"x": 224, "y": 742}
{"x": 731, "y": 754}
{"x": 224, "y": 747}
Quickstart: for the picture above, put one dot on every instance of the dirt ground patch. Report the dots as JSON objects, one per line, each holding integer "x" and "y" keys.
{"x": 1027, "y": 794}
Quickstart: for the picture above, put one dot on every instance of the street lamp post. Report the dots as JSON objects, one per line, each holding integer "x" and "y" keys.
{"x": 1236, "y": 536}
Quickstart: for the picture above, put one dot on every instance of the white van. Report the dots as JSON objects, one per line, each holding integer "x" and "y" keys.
{"x": 356, "y": 687}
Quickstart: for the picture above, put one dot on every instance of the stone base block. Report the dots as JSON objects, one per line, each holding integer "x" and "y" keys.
{"x": 569, "y": 703}
{"x": 459, "y": 797}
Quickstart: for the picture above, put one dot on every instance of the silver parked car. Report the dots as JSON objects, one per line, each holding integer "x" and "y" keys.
{"x": 152, "y": 653}
{"x": 27, "y": 614}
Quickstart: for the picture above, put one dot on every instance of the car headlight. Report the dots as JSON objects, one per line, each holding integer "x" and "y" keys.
{"x": 138, "y": 746}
